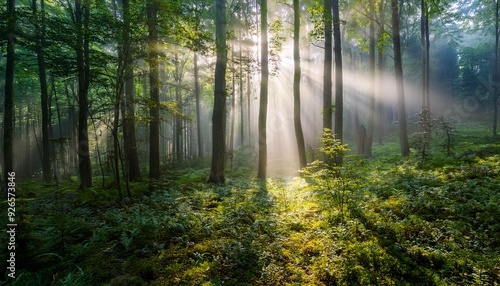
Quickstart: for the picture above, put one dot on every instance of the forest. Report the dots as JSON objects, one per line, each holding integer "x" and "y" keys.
{"x": 250, "y": 142}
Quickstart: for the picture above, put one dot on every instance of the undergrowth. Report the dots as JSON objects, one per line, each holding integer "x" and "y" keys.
{"x": 384, "y": 221}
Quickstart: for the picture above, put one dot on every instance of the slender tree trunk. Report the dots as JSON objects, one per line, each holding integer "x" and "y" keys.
{"x": 129, "y": 134}
{"x": 154, "y": 92}
{"x": 39, "y": 22}
{"x": 425, "y": 43}
{"x": 299, "y": 135}
{"x": 27, "y": 140}
{"x": 72, "y": 127}
{"x": 423, "y": 51}
{"x": 58, "y": 109}
{"x": 178, "y": 120}
{"x": 371, "y": 108}
{"x": 116, "y": 141}
{"x": 327, "y": 67}
{"x": 9, "y": 92}
{"x": 427, "y": 63}
{"x": 82, "y": 15}
{"x": 233, "y": 109}
{"x": 219, "y": 112}
{"x": 379, "y": 115}
{"x": 197, "y": 94}
{"x": 398, "y": 65}
{"x": 240, "y": 86}
{"x": 249, "y": 100}
{"x": 118, "y": 104}
{"x": 339, "y": 84}
{"x": 497, "y": 68}
{"x": 261, "y": 173}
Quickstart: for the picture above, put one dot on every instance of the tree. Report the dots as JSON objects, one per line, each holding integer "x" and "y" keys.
{"x": 39, "y": 23}
{"x": 8, "y": 159}
{"x": 299, "y": 135}
{"x": 380, "y": 114}
{"x": 425, "y": 45}
{"x": 219, "y": 111}
{"x": 327, "y": 66}
{"x": 371, "y": 108}
{"x": 424, "y": 42}
{"x": 129, "y": 135}
{"x": 81, "y": 19}
{"x": 264, "y": 80}
{"x": 398, "y": 66}
{"x": 339, "y": 85}
{"x": 197, "y": 94}
{"x": 152, "y": 7}
{"x": 497, "y": 68}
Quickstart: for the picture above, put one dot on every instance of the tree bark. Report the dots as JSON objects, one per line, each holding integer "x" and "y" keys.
{"x": 299, "y": 135}
{"x": 82, "y": 16}
{"x": 398, "y": 66}
{"x": 219, "y": 111}
{"x": 197, "y": 94}
{"x": 339, "y": 85}
{"x": 240, "y": 87}
{"x": 233, "y": 109}
{"x": 371, "y": 108}
{"x": 154, "y": 91}
{"x": 129, "y": 134}
{"x": 379, "y": 114}
{"x": 39, "y": 23}
{"x": 425, "y": 45}
{"x": 8, "y": 143}
{"x": 179, "y": 150}
{"x": 327, "y": 67}
{"x": 262, "y": 171}
{"x": 497, "y": 69}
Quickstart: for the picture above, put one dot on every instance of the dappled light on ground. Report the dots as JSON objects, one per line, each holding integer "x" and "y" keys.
{"x": 380, "y": 223}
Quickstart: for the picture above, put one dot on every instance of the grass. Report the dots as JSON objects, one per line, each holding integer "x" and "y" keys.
{"x": 400, "y": 224}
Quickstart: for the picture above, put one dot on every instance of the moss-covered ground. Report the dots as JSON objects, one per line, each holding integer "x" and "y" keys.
{"x": 384, "y": 221}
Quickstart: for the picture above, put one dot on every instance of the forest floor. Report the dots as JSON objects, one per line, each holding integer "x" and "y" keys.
{"x": 385, "y": 221}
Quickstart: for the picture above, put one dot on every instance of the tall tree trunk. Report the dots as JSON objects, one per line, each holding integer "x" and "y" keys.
{"x": 240, "y": 86}
{"x": 219, "y": 112}
{"x": 9, "y": 92}
{"x": 82, "y": 16}
{"x": 299, "y": 135}
{"x": 118, "y": 104}
{"x": 233, "y": 109}
{"x": 249, "y": 99}
{"x": 154, "y": 91}
{"x": 39, "y": 22}
{"x": 129, "y": 134}
{"x": 371, "y": 108}
{"x": 398, "y": 66}
{"x": 72, "y": 127}
{"x": 264, "y": 80}
{"x": 497, "y": 68}
{"x": 178, "y": 120}
{"x": 339, "y": 84}
{"x": 116, "y": 140}
{"x": 425, "y": 44}
{"x": 27, "y": 140}
{"x": 197, "y": 94}
{"x": 327, "y": 67}
{"x": 379, "y": 115}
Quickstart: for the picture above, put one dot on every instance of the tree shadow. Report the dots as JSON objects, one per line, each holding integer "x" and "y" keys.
{"x": 410, "y": 268}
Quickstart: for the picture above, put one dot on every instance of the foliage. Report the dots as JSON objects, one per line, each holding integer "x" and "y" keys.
{"x": 335, "y": 182}
{"x": 383, "y": 221}
{"x": 432, "y": 131}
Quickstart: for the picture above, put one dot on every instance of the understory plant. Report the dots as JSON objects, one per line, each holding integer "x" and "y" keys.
{"x": 333, "y": 175}
{"x": 422, "y": 140}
